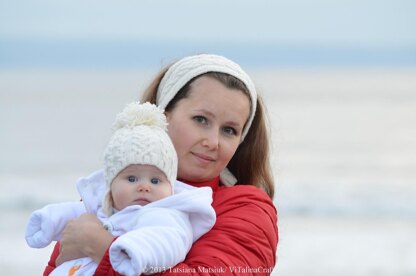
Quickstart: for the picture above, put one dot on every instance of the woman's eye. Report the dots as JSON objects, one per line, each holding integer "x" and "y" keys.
{"x": 201, "y": 119}
{"x": 155, "y": 180}
{"x": 230, "y": 131}
{"x": 132, "y": 178}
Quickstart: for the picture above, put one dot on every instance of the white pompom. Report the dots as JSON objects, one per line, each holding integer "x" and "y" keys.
{"x": 136, "y": 114}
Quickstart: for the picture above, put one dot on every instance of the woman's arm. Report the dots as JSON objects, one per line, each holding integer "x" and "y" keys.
{"x": 82, "y": 237}
{"x": 242, "y": 242}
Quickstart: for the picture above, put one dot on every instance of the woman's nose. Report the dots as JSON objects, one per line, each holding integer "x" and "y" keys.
{"x": 211, "y": 140}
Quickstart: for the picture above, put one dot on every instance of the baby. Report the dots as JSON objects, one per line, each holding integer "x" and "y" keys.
{"x": 155, "y": 217}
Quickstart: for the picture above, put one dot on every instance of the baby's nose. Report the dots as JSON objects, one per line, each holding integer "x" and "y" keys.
{"x": 143, "y": 187}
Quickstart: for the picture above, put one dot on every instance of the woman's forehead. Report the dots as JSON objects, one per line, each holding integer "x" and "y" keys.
{"x": 230, "y": 104}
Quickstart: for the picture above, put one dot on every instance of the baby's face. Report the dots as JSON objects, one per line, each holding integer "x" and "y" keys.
{"x": 139, "y": 185}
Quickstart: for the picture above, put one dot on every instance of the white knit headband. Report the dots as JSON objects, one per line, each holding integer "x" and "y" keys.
{"x": 181, "y": 72}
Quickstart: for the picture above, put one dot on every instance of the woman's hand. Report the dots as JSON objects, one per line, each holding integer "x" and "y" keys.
{"x": 84, "y": 237}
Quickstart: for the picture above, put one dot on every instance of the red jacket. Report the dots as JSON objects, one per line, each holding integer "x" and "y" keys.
{"x": 243, "y": 240}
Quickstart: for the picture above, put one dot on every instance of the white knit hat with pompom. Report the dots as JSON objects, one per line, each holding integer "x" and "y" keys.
{"x": 140, "y": 137}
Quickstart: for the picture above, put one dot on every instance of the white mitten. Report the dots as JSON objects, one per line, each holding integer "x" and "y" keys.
{"x": 46, "y": 225}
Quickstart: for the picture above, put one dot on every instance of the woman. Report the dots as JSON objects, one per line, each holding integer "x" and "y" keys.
{"x": 217, "y": 125}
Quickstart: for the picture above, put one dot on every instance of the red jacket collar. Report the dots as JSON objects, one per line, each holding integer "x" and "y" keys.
{"x": 213, "y": 183}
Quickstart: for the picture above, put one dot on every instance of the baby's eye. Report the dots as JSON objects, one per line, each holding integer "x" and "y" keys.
{"x": 155, "y": 180}
{"x": 132, "y": 178}
{"x": 201, "y": 119}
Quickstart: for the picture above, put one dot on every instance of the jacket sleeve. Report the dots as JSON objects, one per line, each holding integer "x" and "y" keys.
{"x": 162, "y": 239}
{"x": 52, "y": 261}
{"x": 243, "y": 240}
{"x": 46, "y": 225}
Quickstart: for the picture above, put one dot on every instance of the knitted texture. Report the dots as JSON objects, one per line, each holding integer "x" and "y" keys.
{"x": 140, "y": 137}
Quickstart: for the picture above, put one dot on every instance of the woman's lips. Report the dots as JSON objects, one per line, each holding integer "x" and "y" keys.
{"x": 203, "y": 158}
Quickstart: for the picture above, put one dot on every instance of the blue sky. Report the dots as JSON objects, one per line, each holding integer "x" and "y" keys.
{"x": 321, "y": 24}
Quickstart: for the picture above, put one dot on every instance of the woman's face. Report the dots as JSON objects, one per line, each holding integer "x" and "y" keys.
{"x": 206, "y": 128}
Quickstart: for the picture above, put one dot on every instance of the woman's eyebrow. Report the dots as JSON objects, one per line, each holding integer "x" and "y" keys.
{"x": 205, "y": 112}
{"x": 234, "y": 124}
